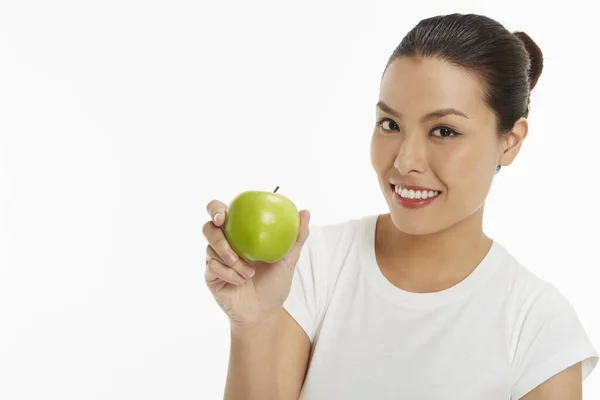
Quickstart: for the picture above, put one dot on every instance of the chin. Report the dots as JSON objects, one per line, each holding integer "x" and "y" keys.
{"x": 415, "y": 228}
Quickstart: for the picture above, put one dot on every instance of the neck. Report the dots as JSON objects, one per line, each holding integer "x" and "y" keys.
{"x": 444, "y": 254}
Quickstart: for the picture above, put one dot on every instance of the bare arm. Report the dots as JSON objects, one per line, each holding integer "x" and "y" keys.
{"x": 566, "y": 385}
{"x": 269, "y": 361}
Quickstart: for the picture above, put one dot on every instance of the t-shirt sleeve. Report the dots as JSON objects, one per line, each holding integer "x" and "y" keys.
{"x": 551, "y": 339}
{"x": 301, "y": 302}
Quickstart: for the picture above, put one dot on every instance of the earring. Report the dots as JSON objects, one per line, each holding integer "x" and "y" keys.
{"x": 498, "y": 168}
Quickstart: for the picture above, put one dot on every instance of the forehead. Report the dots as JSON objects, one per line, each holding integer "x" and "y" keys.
{"x": 421, "y": 85}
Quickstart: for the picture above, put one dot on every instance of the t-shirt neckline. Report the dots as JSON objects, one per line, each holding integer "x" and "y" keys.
{"x": 405, "y": 298}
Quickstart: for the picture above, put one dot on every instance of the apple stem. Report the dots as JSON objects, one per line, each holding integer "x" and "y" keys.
{"x": 276, "y": 189}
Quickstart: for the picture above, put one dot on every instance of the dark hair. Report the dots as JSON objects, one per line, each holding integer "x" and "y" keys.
{"x": 509, "y": 64}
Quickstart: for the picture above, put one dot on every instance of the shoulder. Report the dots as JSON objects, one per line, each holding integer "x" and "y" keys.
{"x": 522, "y": 285}
{"x": 329, "y": 248}
{"x": 546, "y": 334}
{"x": 321, "y": 260}
{"x": 531, "y": 299}
{"x": 334, "y": 237}
{"x": 547, "y": 338}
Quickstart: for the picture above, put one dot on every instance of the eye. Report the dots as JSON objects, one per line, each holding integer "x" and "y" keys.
{"x": 392, "y": 125}
{"x": 445, "y": 132}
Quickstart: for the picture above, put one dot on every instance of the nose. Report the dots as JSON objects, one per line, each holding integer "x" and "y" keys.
{"x": 411, "y": 155}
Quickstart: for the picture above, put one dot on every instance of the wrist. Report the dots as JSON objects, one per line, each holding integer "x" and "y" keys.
{"x": 259, "y": 326}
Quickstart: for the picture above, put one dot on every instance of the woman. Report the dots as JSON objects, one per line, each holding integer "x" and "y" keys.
{"x": 417, "y": 303}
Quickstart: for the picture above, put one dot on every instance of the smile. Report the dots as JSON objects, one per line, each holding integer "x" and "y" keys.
{"x": 413, "y": 198}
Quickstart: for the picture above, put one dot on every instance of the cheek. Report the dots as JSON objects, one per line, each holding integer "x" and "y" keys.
{"x": 469, "y": 173}
{"x": 382, "y": 154}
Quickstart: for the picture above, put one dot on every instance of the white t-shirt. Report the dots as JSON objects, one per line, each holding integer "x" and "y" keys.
{"x": 496, "y": 335}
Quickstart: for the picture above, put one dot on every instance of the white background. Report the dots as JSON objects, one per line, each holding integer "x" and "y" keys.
{"x": 120, "y": 121}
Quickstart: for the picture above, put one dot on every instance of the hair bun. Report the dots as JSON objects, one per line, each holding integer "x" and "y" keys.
{"x": 535, "y": 56}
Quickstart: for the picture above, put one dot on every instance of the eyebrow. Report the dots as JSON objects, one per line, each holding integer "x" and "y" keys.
{"x": 432, "y": 115}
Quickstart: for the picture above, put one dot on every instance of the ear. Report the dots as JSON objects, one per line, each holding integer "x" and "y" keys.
{"x": 512, "y": 141}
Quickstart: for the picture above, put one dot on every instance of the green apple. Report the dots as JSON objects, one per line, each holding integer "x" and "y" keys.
{"x": 261, "y": 226}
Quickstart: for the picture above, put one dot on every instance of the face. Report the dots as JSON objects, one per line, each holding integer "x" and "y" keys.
{"x": 457, "y": 155}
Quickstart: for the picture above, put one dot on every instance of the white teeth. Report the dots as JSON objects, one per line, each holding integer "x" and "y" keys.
{"x": 418, "y": 194}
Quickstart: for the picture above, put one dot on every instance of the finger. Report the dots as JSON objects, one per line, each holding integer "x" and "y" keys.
{"x": 219, "y": 246}
{"x": 216, "y": 209}
{"x": 211, "y": 253}
{"x": 292, "y": 256}
{"x": 217, "y": 240}
{"x": 215, "y": 270}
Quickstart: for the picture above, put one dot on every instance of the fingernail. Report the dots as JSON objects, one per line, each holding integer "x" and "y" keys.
{"x": 249, "y": 272}
{"x": 230, "y": 258}
{"x": 216, "y": 216}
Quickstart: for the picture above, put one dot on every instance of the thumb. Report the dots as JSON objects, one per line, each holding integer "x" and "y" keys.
{"x": 304, "y": 226}
{"x": 291, "y": 258}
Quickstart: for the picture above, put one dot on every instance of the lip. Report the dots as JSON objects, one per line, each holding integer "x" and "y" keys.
{"x": 412, "y": 203}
